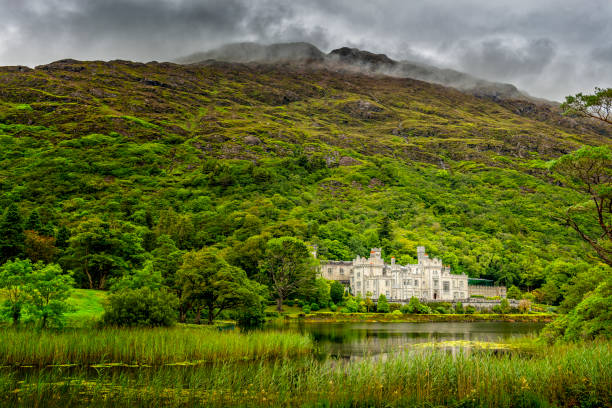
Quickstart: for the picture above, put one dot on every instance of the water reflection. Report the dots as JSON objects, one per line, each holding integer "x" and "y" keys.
{"x": 348, "y": 340}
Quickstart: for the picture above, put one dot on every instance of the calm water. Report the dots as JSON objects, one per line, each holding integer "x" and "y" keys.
{"x": 348, "y": 340}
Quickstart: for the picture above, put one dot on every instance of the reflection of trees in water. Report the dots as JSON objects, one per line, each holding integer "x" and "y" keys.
{"x": 360, "y": 339}
{"x": 352, "y": 340}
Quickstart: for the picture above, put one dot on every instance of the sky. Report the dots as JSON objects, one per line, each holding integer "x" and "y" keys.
{"x": 549, "y": 48}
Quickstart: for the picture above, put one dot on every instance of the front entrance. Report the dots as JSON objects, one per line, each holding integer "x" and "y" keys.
{"x": 435, "y": 295}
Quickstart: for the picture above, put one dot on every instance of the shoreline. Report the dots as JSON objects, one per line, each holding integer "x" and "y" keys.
{"x": 418, "y": 318}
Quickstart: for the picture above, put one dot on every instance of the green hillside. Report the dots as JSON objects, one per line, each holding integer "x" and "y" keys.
{"x": 230, "y": 155}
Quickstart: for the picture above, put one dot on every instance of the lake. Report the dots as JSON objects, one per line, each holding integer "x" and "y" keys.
{"x": 355, "y": 340}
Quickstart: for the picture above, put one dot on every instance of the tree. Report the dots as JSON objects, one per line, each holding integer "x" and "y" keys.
{"x": 589, "y": 171}
{"x": 322, "y": 296}
{"x": 49, "y": 288}
{"x": 14, "y": 278}
{"x": 146, "y": 277}
{"x": 369, "y": 304}
{"x": 167, "y": 259}
{"x": 287, "y": 268}
{"x": 12, "y": 238}
{"x": 208, "y": 282}
{"x": 459, "y": 308}
{"x": 140, "y": 307}
{"x": 39, "y": 247}
{"x": 597, "y": 106}
{"x": 514, "y": 293}
{"x": 99, "y": 252}
{"x": 336, "y": 292}
{"x": 33, "y": 223}
{"x": 382, "y": 306}
{"x": 63, "y": 235}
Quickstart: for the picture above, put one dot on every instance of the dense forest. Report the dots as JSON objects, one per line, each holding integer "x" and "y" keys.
{"x": 118, "y": 169}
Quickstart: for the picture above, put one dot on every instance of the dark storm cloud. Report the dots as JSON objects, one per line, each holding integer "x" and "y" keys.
{"x": 548, "y": 47}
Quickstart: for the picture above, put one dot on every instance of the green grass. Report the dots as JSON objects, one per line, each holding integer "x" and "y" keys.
{"x": 558, "y": 376}
{"x": 88, "y": 306}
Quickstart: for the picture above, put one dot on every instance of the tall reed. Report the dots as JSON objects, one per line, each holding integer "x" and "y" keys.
{"x": 145, "y": 346}
{"x": 572, "y": 375}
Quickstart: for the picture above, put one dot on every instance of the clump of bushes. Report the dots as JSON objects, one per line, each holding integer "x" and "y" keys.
{"x": 415, "y": 307}
{"x": 314, "y": 307}
{"x": 306, "y": 309}
{"x": 141, "y": 307}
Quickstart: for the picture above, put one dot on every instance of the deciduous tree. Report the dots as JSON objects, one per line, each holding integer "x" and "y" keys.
{"x": 287, "y": 268}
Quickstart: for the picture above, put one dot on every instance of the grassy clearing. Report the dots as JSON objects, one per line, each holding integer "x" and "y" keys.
{"x": 562, "y": 376}
{"x": 86, "y": 347}
{"x": 88, "y": 307}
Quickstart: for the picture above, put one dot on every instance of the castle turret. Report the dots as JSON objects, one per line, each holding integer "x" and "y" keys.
{"x": 376, "y": 253}
{"x": 421, "y": 252}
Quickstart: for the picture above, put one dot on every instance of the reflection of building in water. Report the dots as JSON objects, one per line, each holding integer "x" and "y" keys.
{"x": 427, "y": 280}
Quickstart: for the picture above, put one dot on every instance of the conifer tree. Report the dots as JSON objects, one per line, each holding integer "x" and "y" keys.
{"x": 12, "y": 237}
{"x": 34, "y": 223}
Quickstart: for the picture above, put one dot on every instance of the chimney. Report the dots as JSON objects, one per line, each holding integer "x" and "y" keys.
{"x": 392, "y": 260}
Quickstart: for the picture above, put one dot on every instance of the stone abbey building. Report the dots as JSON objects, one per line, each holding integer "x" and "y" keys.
{"x": 427, "y": 280}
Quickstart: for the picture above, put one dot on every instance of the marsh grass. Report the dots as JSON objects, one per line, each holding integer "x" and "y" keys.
{"x": 569, "y": 375}
{"x": 113, "y": 346}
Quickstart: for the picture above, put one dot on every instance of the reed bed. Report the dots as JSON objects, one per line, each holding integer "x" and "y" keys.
{"x": 561, "y": 376}
{"x": 146, "y": 346}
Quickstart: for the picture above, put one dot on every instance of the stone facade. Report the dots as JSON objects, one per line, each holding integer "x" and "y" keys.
{"x": 427, "y": 280}
{"x": 488, "y": 291}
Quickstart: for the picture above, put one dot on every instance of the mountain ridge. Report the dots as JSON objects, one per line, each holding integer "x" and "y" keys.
{"x": 359, "y": 60}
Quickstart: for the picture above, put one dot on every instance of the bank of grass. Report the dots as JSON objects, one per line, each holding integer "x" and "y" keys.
{"x": 559, "y": 376}
{"x": 418, "y": 318}
{"x": 159, "y": 346}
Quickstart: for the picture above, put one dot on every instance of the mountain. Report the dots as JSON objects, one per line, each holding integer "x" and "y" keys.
{"x": 231, "y": 154}
{"x": 253, "y": 52}
{"x": 361, "y": 61}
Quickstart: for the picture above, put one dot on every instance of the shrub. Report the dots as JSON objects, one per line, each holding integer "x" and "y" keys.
{"x": 382, "y": 306}
{"x": 306, "y": 309}
{"x": 314, "y": 307}
{"x": 514, "y": 293}
{"x": 416, "y": 307}
{"x": 333, "y": 307}
{"x": 504, "y": 305}
{"x": 440, "y": 310}
{"x": 395, "y": 306}
{"x": 459, "y": 308}
{"x": 470, "y": 309}
{"x": 396, "y": 312}
{"x": 497, "y": 309}
{"x": 351, "y": 306}
{"x": 250, "y": 317}
{"x": 289, "y": 302}
{"x": 524, "y": 306}
{"x": 141, "y": 307}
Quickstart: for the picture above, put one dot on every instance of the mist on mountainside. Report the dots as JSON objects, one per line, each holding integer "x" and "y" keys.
{"x": 355, "y": 60}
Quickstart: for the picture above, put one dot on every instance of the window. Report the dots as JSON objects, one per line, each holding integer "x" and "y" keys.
{"x": 446, "y": 286}
{"x": 387, "y": 294}
{"x": 435, "y": 283}
{"x": 341, "y": 271}
{"x": 461, "y": 284}
{"x": 357, "y": 274}
{"x": 387, "y": 283}
{"x": 416, "y": 282}
{"x": 329, "y": 271}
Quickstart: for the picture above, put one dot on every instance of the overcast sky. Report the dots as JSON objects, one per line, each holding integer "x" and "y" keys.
{"x": 550, "y": 48}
